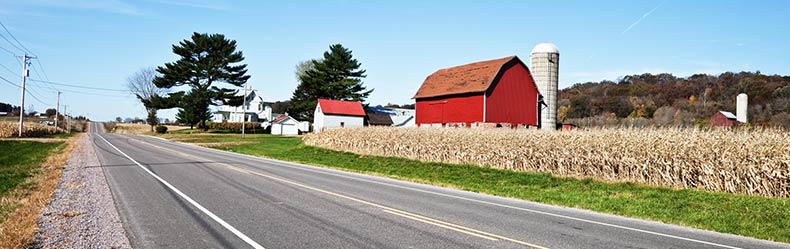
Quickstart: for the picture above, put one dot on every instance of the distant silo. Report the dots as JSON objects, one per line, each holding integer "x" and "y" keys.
{"x": 545, "y": 59}
{"x": 742, "y": 105}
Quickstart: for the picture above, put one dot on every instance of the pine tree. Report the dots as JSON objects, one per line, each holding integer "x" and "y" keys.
{"x": 337, "y": 76}
{"x": 204, "y": 61}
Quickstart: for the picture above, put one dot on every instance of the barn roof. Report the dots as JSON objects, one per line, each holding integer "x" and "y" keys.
{"x": 341, "y": 107}
{"x": 469, "y": 78}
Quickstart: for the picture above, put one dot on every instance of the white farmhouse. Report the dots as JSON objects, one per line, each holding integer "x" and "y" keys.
{"x": 337, "y": 113}
{"x": 285, "y": 125}
{"x": 257, "y": 109}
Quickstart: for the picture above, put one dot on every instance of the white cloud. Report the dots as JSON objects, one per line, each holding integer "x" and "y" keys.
{"x": 644, "y": 16}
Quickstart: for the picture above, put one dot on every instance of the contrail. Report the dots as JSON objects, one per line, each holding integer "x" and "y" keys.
{"x": 642, "y": 18}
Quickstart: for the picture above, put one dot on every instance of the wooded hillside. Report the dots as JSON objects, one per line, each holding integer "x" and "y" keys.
{"x": 664, "y": 99}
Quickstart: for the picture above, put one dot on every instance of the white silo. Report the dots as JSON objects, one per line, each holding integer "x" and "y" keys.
{"x": 741, "y": 107}
{"x": 545, "y": 58}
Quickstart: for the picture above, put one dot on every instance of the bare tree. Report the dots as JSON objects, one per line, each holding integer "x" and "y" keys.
{"x": 142, "y": 85}
{"x": 304, "y": 66}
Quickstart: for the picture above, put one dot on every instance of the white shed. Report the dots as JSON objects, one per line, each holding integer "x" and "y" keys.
{"x": 285, "y": 125}
{"x": 337, "y": 113}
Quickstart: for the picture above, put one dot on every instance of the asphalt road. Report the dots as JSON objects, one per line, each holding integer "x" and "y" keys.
{"x": 173, "y": 195}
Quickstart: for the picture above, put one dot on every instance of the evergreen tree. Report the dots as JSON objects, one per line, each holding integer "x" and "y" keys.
{"x": 189, "y": 113}
{"x": 204, "y": 61}
{"x": 337, "y": 76}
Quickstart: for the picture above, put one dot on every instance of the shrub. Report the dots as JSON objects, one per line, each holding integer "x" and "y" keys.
{"x": 161, "y": 129}
{"x": 235, "y": 126}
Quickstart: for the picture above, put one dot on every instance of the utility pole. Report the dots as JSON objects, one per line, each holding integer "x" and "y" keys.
{"x": 244, "y": 111}
{"x": 25, "y": 73}
{"x": 66, "y": 117}
{"x": 57, "y": 107}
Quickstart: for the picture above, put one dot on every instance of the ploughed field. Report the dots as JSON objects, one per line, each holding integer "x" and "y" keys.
{"x": 753, "y": 161}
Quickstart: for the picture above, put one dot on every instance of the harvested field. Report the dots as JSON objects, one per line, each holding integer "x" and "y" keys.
{"x": 11, "y": 129}
{"x": 754, "y": 162}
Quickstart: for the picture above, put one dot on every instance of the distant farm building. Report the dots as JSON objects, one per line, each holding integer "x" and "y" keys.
{"x": 378, "y": 119}
{"x": 285, "y": 125}
{"x": 398, "y": 117}
{"x": 500, "y": 91}
{"x": 337, "y": 113}
{"x": 727, "y": 119}
{"x": 568, "y": 127}
{"x": 724, "y": 119}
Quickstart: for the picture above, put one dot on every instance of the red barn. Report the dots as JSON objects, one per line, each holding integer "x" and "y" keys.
{"x": 723, "y": 119}
{"x": 494, "y": 91}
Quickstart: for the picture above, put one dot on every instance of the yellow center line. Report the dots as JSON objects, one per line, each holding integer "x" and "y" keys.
{"x": 427, "y": 220}
{"x": 439, "y": 225}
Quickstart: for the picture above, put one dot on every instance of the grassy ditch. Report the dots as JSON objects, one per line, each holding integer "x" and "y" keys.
{"x": 28, "y": 177}
{"x": 753, "y": 216}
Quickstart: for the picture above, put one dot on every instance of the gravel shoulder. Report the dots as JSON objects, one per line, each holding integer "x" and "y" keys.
{"x": 82, "y": 213}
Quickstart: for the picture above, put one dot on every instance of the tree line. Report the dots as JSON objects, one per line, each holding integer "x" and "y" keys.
{"x": 664, "y": 99}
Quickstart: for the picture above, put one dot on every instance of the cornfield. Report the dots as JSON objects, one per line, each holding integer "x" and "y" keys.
{"x": 754, "y": 162}
{"x": 11, "y": 129}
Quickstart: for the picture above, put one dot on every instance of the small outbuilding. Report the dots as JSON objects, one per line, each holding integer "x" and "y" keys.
{"x": 724, "y": 119}
{"x": 285, "y": 125}
{"x": 337, "y": 113}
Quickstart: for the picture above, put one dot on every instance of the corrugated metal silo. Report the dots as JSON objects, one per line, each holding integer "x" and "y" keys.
{"x": 545, "y": 58}
{"x": 741, "y": 107}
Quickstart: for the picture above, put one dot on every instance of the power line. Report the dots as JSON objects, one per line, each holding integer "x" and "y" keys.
{"x": 17, "y": 41}
{"x": 9, "y": 70}
{"x": 39, "y": 75}
{"x": 78, "y": 86}
{"x": 26, "y": 90}
{"x": 42, "y": 69}
{"x": 94, "y": 94}
{"x": 36, "y": 98}
{"x": 9, "y": 51}
{"x": 33, "y": 84}
{"x": 9, "y": 82}
{"x": 9, "y": 42}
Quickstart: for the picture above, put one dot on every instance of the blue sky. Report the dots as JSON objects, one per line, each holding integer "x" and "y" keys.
{"x": 99, "y": 43}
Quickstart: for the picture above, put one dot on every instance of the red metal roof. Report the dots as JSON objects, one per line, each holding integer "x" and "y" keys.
{"x": 280, "y": 118}
{"x": 469, "y": 78}
{"x": 341, "y": 107}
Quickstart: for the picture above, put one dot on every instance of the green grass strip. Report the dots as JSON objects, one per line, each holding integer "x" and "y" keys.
{"x": 20, "y": 160}
{"x": 753, "y": 216}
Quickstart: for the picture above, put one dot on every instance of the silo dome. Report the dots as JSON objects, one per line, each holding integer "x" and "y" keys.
{"x": 546, "y": 48}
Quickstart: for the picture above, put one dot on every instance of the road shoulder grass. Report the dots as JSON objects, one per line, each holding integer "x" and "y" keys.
{"x": 29, "y": 172}
{"x": 753, "y": 216}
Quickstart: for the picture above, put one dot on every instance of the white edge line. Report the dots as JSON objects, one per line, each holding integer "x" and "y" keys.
{"x": 193, "y": 202}
{"x": 319, "y": 170}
